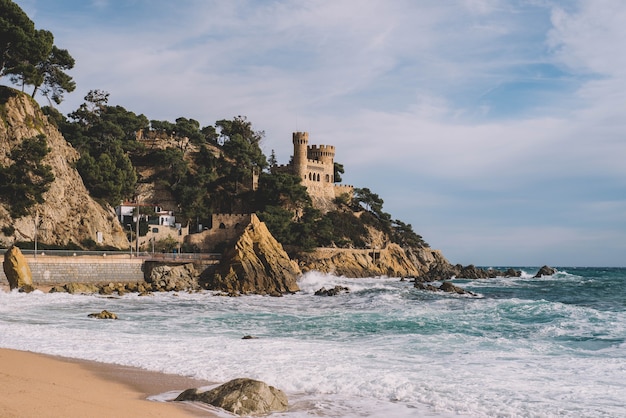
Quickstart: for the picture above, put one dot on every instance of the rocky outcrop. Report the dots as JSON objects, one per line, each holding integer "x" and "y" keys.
{"x": 177, "y": 278}
{"x": 391, "y": 261}
{"x": 68, "y": 214}
{"x": 545, "y": 271}
{"x": 442, "y": 271}
{"x": 426, "y": 258}
{"x": 257, "y": 263}
{"x": 177, "y": 282}
{"x": 17, "y": 270}
{"x": 241, "y": 397}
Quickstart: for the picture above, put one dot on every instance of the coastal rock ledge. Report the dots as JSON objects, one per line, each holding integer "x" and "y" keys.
{"x": 241, "y": 396}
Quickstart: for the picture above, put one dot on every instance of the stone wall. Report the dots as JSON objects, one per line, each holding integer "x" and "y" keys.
{"x": 225, "y": 228}
{"x": 83, "y": 269}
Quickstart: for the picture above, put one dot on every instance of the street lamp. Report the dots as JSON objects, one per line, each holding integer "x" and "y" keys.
{"x": 130, "y": 239}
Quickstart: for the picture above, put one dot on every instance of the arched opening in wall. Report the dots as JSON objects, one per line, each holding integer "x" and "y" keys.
{"x": 310, "y": 176}
{"x": 237, "y": 225}
{"x": 327, "y": 178}
{"x": 222, "y": 226}
{"x": 318, "y": 177}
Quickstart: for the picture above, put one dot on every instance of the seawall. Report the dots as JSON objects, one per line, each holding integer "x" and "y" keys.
{"x": 51, "y": 270}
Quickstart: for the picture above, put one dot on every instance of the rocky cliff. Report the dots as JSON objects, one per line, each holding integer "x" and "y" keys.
{"x": 257, "y": 263}
{"x": 391, "y": 261}
{"x": 69, "y": 214}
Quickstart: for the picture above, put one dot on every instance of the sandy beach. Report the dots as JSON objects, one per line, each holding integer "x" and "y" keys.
{"x": 37, "y": 385}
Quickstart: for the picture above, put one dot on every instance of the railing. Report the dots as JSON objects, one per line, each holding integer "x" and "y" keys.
{"x": 145, "y": 255}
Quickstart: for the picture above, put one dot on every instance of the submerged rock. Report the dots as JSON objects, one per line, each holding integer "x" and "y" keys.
{"x": 17, "y": 270}
{"x": 241, "y": 396}
{"x": 332, "y": 292}
{"x": 103, "y": 315}
{"x": 451, "y": 288}
{"x": 445, "y": 287}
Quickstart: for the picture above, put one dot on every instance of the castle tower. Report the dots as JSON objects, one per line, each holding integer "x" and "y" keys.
{"x": 323, "y": 153}
{"x": 300, "y": 145}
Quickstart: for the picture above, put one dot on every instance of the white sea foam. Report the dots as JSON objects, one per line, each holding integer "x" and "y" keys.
{"x": 384, "y": 349}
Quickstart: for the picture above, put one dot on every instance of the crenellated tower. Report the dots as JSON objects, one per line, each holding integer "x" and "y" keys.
{"x": 322, "y": 153}
{"x": 314, "y": 164}
{"x": 300, "y": 153}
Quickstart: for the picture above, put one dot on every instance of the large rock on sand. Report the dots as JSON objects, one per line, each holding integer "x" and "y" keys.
{"x": 256, "y": 264}
{"x": 241, "y": 396}
{"x": 17, "y": 270}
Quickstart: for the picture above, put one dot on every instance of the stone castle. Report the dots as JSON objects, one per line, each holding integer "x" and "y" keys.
{"x": 315, "y": 165}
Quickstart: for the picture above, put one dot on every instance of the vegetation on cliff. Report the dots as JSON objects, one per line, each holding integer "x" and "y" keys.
{"x": 24, "y": 181}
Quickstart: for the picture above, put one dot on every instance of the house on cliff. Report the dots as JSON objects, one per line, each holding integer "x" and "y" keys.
{"x": 155, "y": 224}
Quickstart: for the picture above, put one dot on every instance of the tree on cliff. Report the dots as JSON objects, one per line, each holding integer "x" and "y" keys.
{"x": 23, "y": 183}
{"x": 29, "y": 56}
{"x": 104, "y": 135}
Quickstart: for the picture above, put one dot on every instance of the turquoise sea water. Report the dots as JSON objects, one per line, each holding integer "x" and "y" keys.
{"x": 523, "y": 347}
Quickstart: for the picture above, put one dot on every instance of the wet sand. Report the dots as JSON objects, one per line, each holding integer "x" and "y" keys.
{"x": 38, "y": 385}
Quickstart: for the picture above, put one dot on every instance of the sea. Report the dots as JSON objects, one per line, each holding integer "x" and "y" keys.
{"x": 553, "y": 346}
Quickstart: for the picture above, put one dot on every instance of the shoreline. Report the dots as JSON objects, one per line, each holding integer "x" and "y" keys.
{"x": 42, "y": 385}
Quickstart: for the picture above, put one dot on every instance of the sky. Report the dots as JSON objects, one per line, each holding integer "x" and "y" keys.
{"x": 496, "y": 128}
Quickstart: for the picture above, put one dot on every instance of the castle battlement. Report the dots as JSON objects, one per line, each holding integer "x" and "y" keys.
{"x": 322, "y": 148}
{"x": 316, "y": 163}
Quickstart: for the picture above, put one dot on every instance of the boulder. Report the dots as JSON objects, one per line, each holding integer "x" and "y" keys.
{"x": 174, "y": 278}
{"x": 80, "y": 288}
{"x": 545, "y": 271}
{"x": 17, "y": 270}
{"x": 257, "y": 263}
{"x": 241, "y": 396}
{"x": 103, "y": 315}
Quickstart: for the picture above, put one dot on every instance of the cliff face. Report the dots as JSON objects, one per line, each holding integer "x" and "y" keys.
{"x": 69, "y": 214}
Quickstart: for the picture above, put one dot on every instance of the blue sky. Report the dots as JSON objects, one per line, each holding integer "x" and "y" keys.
{"x": 496, "y": 128}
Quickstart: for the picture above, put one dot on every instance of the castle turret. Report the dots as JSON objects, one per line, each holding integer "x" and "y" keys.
{"x": 322, "y": 153}
{"x": 300, "y": 145}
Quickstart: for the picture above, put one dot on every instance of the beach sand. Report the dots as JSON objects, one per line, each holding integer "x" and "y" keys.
{"x": 38, "y": 385}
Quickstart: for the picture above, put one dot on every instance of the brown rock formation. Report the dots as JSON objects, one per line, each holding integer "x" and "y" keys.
{"x": 69, "y": 214}
{"x": 17, "y": 270}
{"x": 391, "y": 261}
{"x": 241, "y": 397}
{"x": 257, "y": 263}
